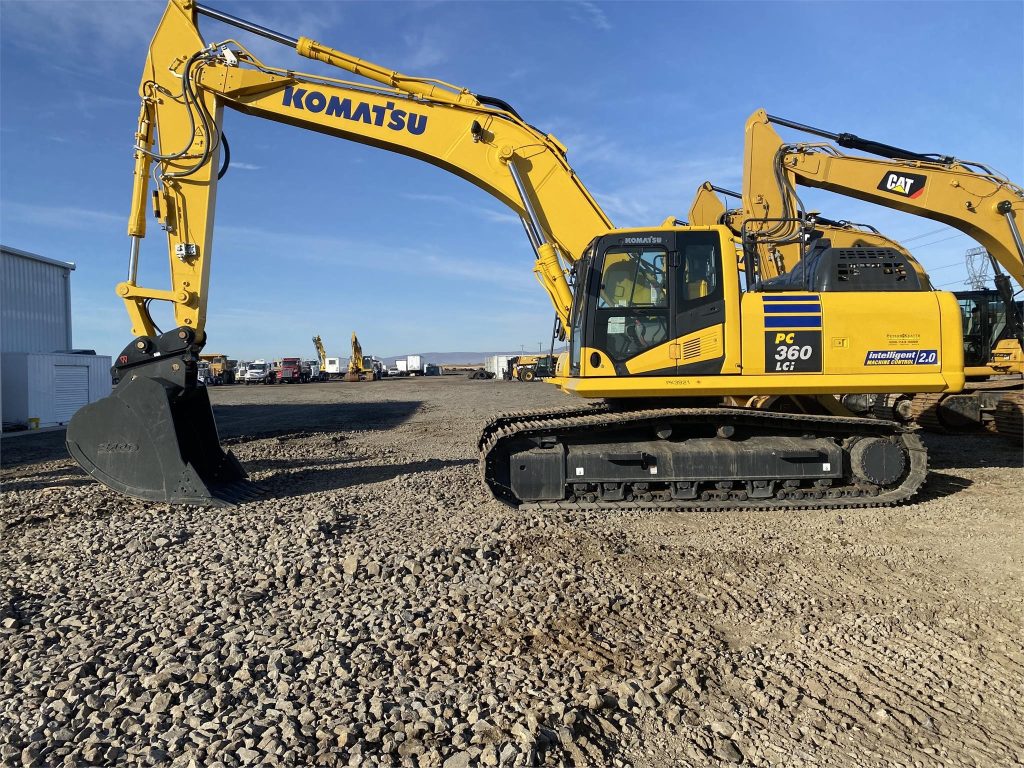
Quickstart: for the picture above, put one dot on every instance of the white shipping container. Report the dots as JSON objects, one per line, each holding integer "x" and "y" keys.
{"x": 497, "y": 364}
{"x": 414, "y": 364}
{"x": 51, "y": 387}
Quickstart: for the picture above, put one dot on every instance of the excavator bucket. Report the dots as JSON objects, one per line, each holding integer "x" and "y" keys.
{"x": 154, "y": 437}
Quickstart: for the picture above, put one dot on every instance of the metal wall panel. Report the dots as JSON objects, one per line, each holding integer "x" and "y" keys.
{"x": 39, "y": 386}
{"x": 35, "y": 303}
{"x": 70, "y": 390}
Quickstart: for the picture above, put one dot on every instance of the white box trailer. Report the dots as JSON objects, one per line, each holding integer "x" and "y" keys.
{"x": 414, "y": 365}
{"x": 402, "y": 366}
{"x": 51, "y": 386}
{"x": 334, "y": 368}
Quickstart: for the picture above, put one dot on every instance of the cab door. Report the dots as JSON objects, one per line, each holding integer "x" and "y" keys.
{"x": 698, "y": 302}
{"x": 631, "y": 319}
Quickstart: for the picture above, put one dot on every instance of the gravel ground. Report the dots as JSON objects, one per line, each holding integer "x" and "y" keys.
{"x": 378, "y": 608}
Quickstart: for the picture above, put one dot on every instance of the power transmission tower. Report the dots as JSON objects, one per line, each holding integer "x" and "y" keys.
{"x": 979, "y": 268}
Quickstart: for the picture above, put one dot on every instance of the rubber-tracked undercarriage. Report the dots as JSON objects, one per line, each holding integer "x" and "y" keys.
{"x": 690, "y": 458}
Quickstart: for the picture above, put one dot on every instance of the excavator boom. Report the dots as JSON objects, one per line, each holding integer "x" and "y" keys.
{"x": 656, "y": 319}
{"x": 964, "y": 195}
{"x": 185, "y": 86}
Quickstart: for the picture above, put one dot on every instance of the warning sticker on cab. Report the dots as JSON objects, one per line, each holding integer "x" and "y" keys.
{"x": 902, "y": 357}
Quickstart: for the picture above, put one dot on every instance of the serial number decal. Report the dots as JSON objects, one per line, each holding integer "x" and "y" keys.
{"x": 902, "y": 357}
{"x": 792, "y": 352}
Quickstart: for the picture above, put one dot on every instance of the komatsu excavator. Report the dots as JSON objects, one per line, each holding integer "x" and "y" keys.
{"x": 660, "y": 329}
{"x": 786, "y": 245}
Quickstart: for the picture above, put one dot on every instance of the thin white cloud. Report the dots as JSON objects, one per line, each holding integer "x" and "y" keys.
{"x": 61, "y": 216}
{"x": 487, "y": 214}
{"x": 245, "y": 166}
{"x": 96, "y": 32}
{"x": 426, "y": 49}
{"x": 358, "y": 255}
{"x": 593, "y": 13}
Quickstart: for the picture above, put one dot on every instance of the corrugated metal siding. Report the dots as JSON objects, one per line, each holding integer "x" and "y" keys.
{"x": 70, "y": 390}
{"x": 35, "y": 305}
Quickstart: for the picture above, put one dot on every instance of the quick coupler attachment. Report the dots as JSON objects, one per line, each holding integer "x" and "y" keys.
{"x": 154, "y": 437}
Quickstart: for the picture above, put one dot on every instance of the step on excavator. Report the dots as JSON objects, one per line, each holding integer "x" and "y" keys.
{"x": 669, "y": 333}
{"x": 787, "y": 244}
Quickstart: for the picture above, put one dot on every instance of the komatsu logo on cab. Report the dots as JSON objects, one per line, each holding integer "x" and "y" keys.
{"x": 345, "y": 109}
{"x": 906, "y": 184}
{"x": 647, "y": 240}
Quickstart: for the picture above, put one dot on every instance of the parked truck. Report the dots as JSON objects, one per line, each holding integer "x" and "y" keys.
{"x": 260, "y": 372}
{"x": 222, "y": 370}
{"x": 203, "y": 374}
{"x": 414, "y": 365}
{"x": 290, "y": 371}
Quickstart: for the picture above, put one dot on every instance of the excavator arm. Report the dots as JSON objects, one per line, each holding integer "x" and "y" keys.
{"x": 155, "y": 437}
{"x": 321, "y": 353}
{"x": 186, "y": 84}
{"x": 964, "y": 195}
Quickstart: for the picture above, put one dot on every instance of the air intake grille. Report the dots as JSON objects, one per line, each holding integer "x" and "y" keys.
{"x": 691, "y": 349}
{"x": 859, "y": 263}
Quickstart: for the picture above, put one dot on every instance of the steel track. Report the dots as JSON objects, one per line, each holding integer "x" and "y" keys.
{"x": 512, "y": 426}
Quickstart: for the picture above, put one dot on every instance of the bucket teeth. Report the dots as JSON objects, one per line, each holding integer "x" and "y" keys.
{"x": 238, "y": 492}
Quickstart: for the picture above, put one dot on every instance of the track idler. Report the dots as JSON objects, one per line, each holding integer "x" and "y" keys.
{"x": 154, "y": 437}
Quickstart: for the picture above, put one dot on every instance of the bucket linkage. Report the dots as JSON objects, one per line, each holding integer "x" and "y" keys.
{"x": 154, "y": 437}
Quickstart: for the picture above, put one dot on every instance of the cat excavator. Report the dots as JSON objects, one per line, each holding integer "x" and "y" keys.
{"x": 663, "y": 338}
{"x": 784, "y": 241}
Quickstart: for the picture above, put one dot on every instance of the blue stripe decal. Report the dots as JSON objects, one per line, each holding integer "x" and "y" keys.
{"x": 774, "y": 309}
{"x": 768, "y": 299}
{"x": 792, "y": 322}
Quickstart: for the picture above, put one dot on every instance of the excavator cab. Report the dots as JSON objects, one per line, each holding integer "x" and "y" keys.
{"x": 991, "y": 328}
{"x": 642, "y": 296}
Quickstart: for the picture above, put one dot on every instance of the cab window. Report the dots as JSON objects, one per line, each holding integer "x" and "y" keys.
{"x": 699, "y": 264}
{"x": 633, "y": 278}
{"x": 632, "y": 305}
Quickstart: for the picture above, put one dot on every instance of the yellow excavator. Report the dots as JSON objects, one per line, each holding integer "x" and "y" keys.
{"x": 662, "y": 335}
{"x": 359, "y": 368}
{"x": 321, "y": 357}
{"x": 784, "y": 241}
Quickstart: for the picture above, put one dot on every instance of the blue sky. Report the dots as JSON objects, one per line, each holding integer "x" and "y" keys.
{"x": 319, "y": 235}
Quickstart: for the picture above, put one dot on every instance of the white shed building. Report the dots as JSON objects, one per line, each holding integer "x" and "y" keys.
{"x": 41, "y": 375}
